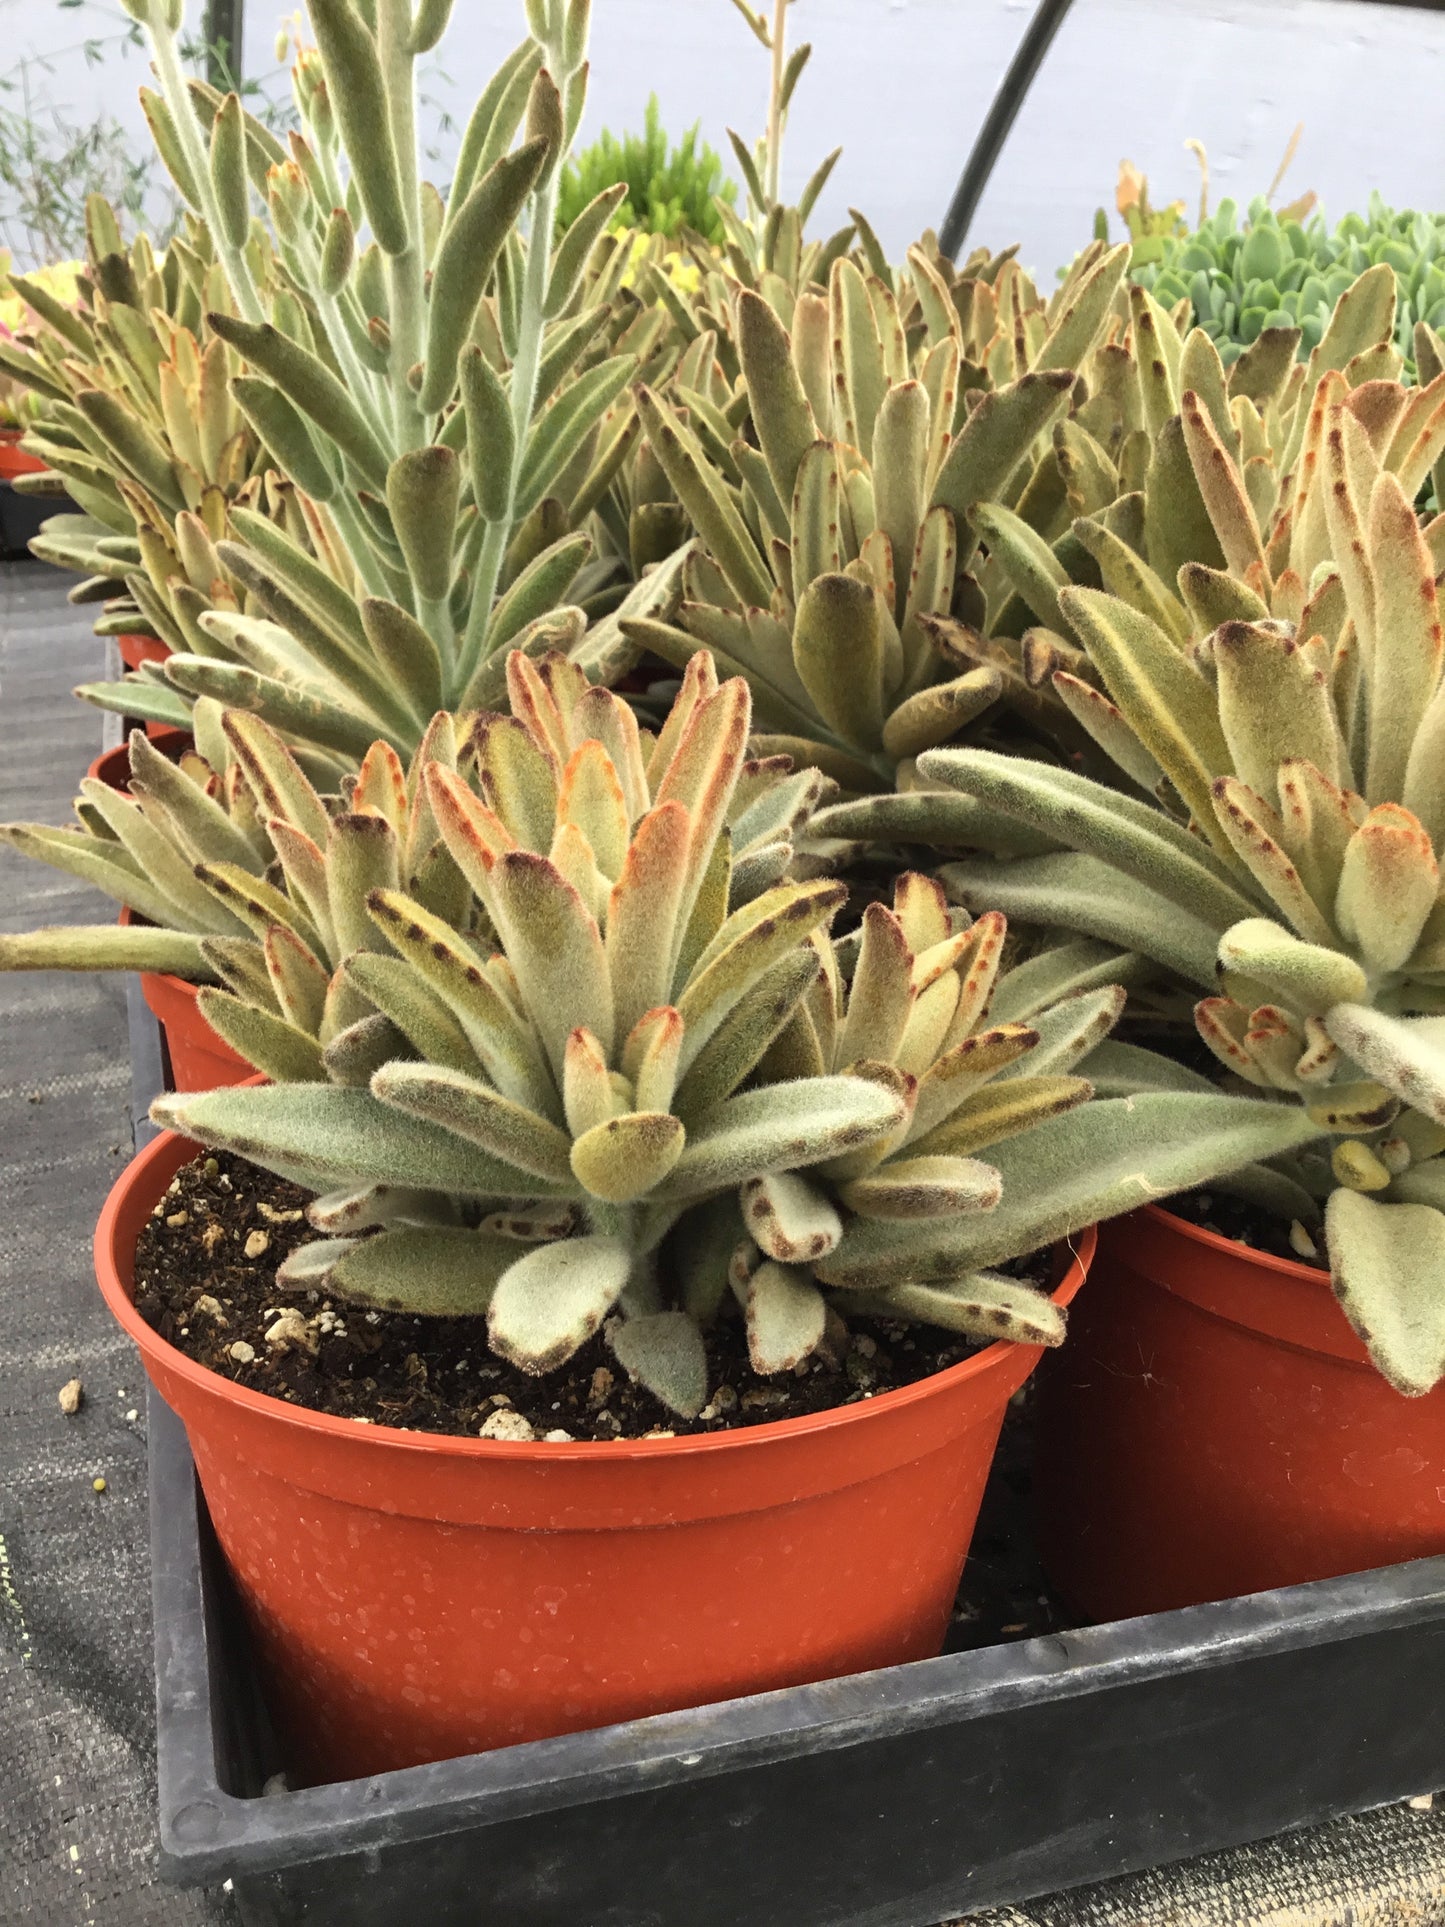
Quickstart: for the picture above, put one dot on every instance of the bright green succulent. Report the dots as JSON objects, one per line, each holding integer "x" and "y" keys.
{"x": 1268, "y": 272}
{"x": 668, "y": 188}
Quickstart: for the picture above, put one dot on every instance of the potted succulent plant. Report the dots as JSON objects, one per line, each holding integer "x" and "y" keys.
{"x": 666, "y": 1108}
{"x": 197, "y": 844}
{"x": 1255, "y": 1429}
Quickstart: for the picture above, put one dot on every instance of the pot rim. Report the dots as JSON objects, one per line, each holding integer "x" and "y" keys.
{"x": 168, "y": 737}
{"x": 1272, "y": 1298}
{"x": 117, "y": 1292}
{"x": 1290, "y": 1268}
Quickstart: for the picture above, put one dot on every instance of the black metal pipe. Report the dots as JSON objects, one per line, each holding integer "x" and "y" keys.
{"x": 1028, "y": 58}
{"x": 224, "y": 30}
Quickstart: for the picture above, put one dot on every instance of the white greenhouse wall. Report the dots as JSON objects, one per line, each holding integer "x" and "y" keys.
{"x": 902, "y": 85}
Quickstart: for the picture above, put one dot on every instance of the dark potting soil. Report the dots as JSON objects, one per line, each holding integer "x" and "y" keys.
{"x": 1245, "y": 1223}
{"x": 205, "y": 1276}
{"x": 1004, "y": 1595}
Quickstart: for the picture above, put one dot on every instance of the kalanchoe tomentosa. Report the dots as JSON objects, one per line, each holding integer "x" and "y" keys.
{"x": 445, "y": 399}
{"x": 623, "y": 994}
{"x": 1192, "y": 497}
{"x": 141, "y": 427}
{"x": 585, "y": 1125}
{"x": 1305, "y": 745}
{"x": 838, "y": 540}
{"x": 240, "y": 871}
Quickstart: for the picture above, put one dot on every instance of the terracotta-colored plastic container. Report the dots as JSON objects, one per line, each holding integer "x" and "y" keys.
{"x": 1214, "y": 1427}
{"x": 112, "y": 766}
{"x": 200, "y": 1060}
{"x": 13, "y": 458}
{"x": 416, "y": 1597}
{"x": 136, "y": 649}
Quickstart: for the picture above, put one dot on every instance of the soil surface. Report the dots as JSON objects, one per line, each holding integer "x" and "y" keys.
{"x": 1245, "y": 1223}
{"x": 205, "y": 1280}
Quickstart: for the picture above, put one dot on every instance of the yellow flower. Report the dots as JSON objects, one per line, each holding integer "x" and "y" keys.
{"x": 58, "y": 279}
{"x": 684, "y": 274}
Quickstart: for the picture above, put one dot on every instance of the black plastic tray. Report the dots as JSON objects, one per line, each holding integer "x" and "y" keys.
{"x": 21, "y": 516}
{"x": 890, "y": 1799}
{"x": 897, "y": 1798}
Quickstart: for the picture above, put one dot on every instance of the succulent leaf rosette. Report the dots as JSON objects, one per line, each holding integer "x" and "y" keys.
{"x": 839, "y": 537}
{"x": 642, "y": 1083}
{"x": 1270, "y": 270}
{"x": 1287, "y": 857}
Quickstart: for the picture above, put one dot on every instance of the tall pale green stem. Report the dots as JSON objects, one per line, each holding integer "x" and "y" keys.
{"x": 406, "y": 271}
{"x": 353, "y": 531}
{"x": 523, "y": 396}
{"x": 775, "y": 100}
{"x": 183, "y": 115}
{"x": 484, "y": 589}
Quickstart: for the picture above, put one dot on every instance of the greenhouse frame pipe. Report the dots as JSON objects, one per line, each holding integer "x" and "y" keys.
{"x": 1038, "y": 37}
{"x": 223, "y": 26}
{"x": 1029, "y": 56}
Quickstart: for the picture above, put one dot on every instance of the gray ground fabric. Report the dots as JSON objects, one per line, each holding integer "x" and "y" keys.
{"x": 77, "y": 1719}
{"x": 77, "y": 1768}
{"x": 1384, "y": 1869}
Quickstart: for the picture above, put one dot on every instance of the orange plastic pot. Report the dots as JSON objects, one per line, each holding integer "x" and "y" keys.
{"x": 136, "y": 649}
{"x": 13, "y": 458}
{"x": 415, "y": 1597}
{"x": 112, "y": 766}
{"x": 1214, "y": 1427}
{"x": 200, "y": 1060}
